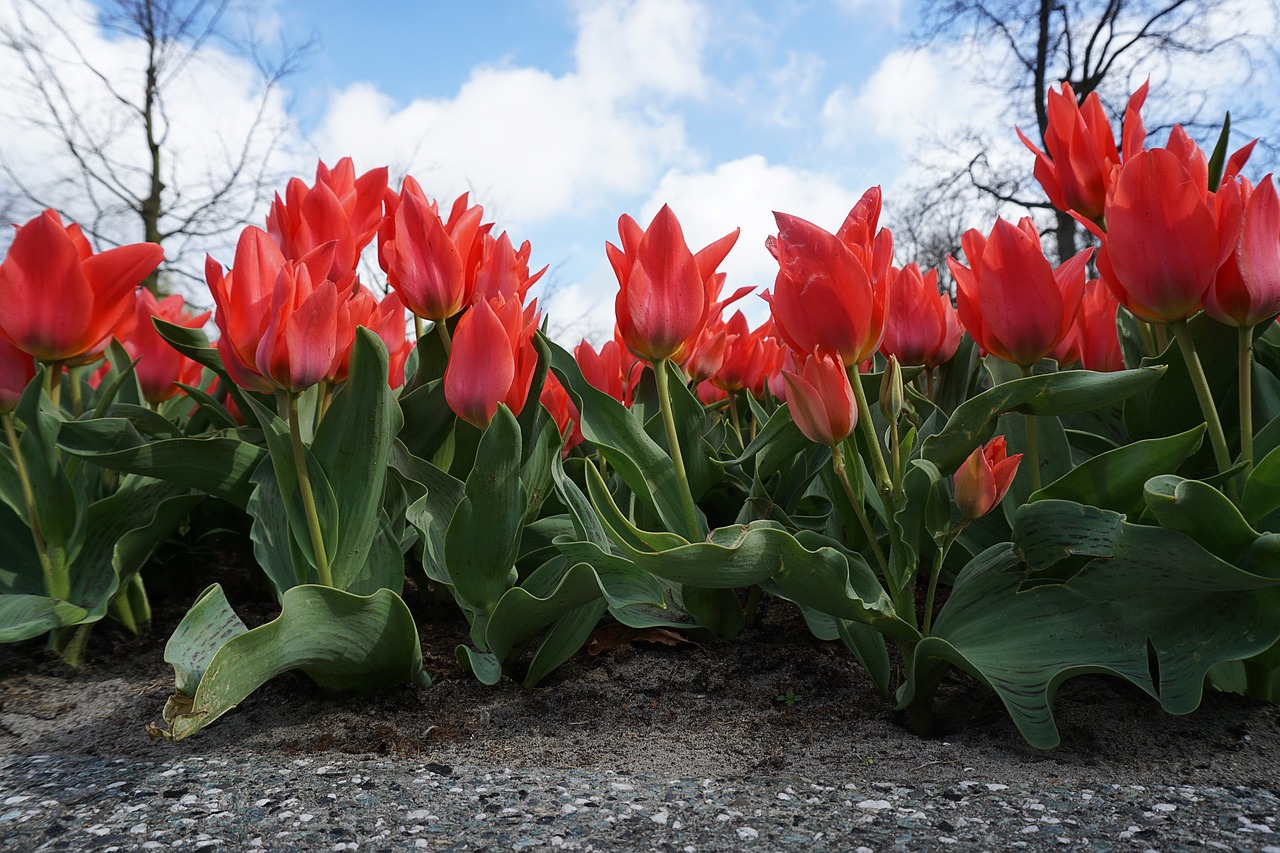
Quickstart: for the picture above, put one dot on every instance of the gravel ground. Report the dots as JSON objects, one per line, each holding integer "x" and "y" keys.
{"x": 65, "y": 803}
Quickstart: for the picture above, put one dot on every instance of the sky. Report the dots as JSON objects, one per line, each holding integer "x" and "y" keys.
{"x": 560, "y": 115}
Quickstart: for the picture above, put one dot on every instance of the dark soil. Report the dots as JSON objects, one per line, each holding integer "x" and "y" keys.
{"x": 773, "y": 701}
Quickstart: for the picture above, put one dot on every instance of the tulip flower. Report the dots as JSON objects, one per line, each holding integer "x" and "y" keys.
{"x": 922, "y": 327}
{"x": 59, "y": 301}
{"x": 306, "y": 331}
{"x": 821, "y": 399}
{"x": 604, "y": 369}
{"x": 492, "y": 360}
{"x": 563, "y": 411}
{"x": 385, "y": 318}
{"x": 1163, "y": 246}
{"x": 160, "y": 367}
{"x": 430, "y": 263}
{"x": 662, "y": 301}
{"x": 503, "y": 269}
{"x": 17, "y": 369}
{"x": 984, "y": 478}
{"x": 829, "y": 294}
{"x": 1075, "y": 170}
{"x": 1010, "y": 299}
{"x": 339, "y": 207}
{"x": 1246, "y": 289}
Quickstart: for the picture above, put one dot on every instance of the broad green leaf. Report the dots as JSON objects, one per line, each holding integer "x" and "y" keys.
{"x": 618, "y": 434}
{"x": 483, "y": 539}
{"x": 563, "y": 639}
{"x": 60, "y": 511}
{"x": 776, "y": 445}
{"x": 1153, "y": 608}
{"x": 356, "y": 470}
{"x": 1261, "y": 499}
{"x": 869, "y": 648}
{"x": 620, "y": 528}
{"x": 1218, "y": 159}
{"x": 273, "y": 546}
{"x": 1202, "y": 512}
{"x": 428, "y": 420}
{"x": 25, "y": 616}
{"x": 1053, "y": 394}
{"x": 1114, "y": 480}
{"x": 1053, "y": 453}
{"x": 341, "y": 641}
{"x": 219, "y": 464}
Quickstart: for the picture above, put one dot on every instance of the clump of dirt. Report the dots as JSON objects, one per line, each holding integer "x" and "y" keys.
{"x": 774, "y": 700}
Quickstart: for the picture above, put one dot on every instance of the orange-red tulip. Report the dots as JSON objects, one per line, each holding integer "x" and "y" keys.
{"x": 309, "y": 326}
{"x": 821, "y": 399}
{"x": 339, "y": 207}
{"x": 492, "y": 360}
{"x": 385, "y": 318}
{"x": 58, "y": 300}
{"x": 430, "y": 263}
{"x": 17, "y": 369}
{"x": 984, "y": 478}
{"x": 503, "y": 269}
{"x": 831, "y": 293}
{"x": 1075, "y": 171}
{"x": 662, "y": 301}
{"x": 748, "y": 357}
{"x": 1246, "y": 289}
{"x": 160, "y": 367}
{"x": 922, "y": 327}
{"x": 1010, "y": 299}
{"x": 563, "y": 411}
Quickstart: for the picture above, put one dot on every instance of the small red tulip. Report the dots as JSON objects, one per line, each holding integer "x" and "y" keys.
{"x": 1010, "y": 299}
{"x": 923, "y": 327}
{"x": 492, "y": 360}
{"x": 563, "y": 411}
{"x": 160, "y": 367}
{"x": 1246, "y": 289}
{"x": 821, "y": 399}
{"x": 58, "y": 300}
{"x": 984, "y": 478}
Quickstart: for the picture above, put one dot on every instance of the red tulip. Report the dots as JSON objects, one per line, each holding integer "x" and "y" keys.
{"x": 563, "y": 411}
{"x": 922, "y": 327}
{"x": 1246, "y": 290}
{"x": 309, "y": 326}
{"x": 243, "y": 299}
{"x": 503, "y": 270}
{"x": 747, "y": 357}
{"x": 432, "y": 264}
{"x": 831, "y": 293}
{"x": 340, "y": 207}
{"x": 160, "y": 366}
{"x": 384, "y": 318}
{"x": 821, "y": 399}
{"x": 17, "y": 369}
{"x": 984, "y": 478}
{"x": 1081, "y": 151}
{"x": 1010, "y": 299}
{"x": 491, "y": 361}
{"x": 58, "y": 300}
{"x": 1163, "y": 244}
{"x": 662, "y": 301}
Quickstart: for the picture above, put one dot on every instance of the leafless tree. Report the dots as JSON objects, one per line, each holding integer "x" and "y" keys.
{"x": 1103, "y": 46}
{"x": 122, "y": 180}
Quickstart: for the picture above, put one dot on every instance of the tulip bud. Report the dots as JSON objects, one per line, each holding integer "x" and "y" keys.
{"x": 984, "y": 478}
{"x": 892, "y": 396}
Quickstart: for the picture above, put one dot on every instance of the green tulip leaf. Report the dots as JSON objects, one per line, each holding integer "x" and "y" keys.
{"x": 483, "y": 537}
{"x": 1068, "y": 392}
{"x": 1151, "y": 607}
{"x": 1261, "y": 499}
{"x": 60, "y": 510}
{"x": 563, "y": 639}
{"x": 1114, "y": 480}
{"x": 343, "y": 642}
{"x": 23, "y": 617}
{"x": 1203, "y": 513}
{"x": 356, "y": 470}
{"x": 219, "y": 464}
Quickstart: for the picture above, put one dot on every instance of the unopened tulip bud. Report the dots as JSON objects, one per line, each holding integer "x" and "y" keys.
{"x": 984, "y": 478}
{"x": 892, "y": 395}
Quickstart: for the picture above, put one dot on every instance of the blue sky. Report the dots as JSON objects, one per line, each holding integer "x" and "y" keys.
{"x": 560, "y": 115}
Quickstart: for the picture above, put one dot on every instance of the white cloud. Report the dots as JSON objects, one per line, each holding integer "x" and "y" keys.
{"x": 888, "y": 10}
{"x": 535, "y": 145}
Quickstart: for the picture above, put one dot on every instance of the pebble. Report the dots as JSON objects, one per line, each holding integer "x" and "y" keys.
{"x": 194, "y": 803}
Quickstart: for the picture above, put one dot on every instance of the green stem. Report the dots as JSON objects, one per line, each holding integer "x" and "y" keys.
{"x": 417, "y": 327}
{"x": 733, "y": 418}
{"x": 1162, "y": 338}
{"x": 70, "y": 642}
{"x": 842, "y": 473}
{"x": 1033, "y": 446}
{"x": 1203, "y": 393}
{"x": 77, "y": 399}
{"x": 55, "y": 383}
{"x": 884, "y": 484}
{"x": 937, "y": 572}
{"x": 56, "y": 583}
{"x": 677, "y": 457}
{"x": 304, "y": 487}
{"x": 1245, "y": 368}
{"x": 445, "y": 337}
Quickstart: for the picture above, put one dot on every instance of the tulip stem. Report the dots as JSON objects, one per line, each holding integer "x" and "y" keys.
{"x": 308, "y": 496}
{"x": 1245, "y": 367}
{"x": 77, "y": 399}
{"x": 57, "y": 584}
{"x": 733, "y": 419}
{"x": 55, "y": 383}
{"x": 937, "y": 572}
{"x": 842, "y": 473}
{"x": 417, "y": 328}
{"x": 1033, "y": 445}
{"x": 445, "y": 337}
{"x": 692, "y": 531}
{"x": 1203, "y": 393}
{"x": 883, "y": 481}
